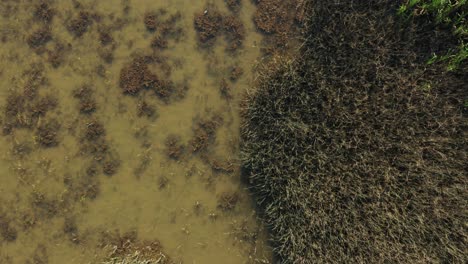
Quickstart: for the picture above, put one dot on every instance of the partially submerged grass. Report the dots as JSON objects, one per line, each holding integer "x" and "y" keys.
{"x": 135, "y": 259}
{"x": 357, "y": 151}
{"x": 128, "y": 249}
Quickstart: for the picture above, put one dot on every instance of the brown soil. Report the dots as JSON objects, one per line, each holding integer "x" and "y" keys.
{"x": 39, "y": 38}
{"x": 137, "y": 76}
{"x": 47, "y": 133}
{"x": 44, "y": 12}
{"x": 228, "y": 201}
{"x": 80, "y": 24}
{"x": 174, "y": 147}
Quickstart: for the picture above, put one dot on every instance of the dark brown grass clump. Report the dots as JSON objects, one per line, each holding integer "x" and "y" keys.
{"x": 55, "y": 56}
{"x": 70, "y": 228}
{"x": 24, "y": 109}
{"x": 105, "y": 37}
{"x": 225, "y": 89}
{"x": 137, "y": 76}
{"x": 211, "y": 24}
{"x": 128, "y": 244}
{"x": 47, "y": 133}
{"x": 234, "y": 32}
{"x": 174, "y": 147}
{"x": 233, "y": 5}
{"x": 228, "y": 201}
{"x": 236, "y": 73}
{"x": 80, "y": 24}
{"x": 87, "y": 104}
{"x": 39, "y": 38}
{"x": 221, "y": 165}
{"x": 94, "y": 130}
{"x": 166, "y": 27}
{"x": 110, "y": 166}
{"x": 144, "y": 109}
{"x": 8, "y": 233}
{"x": 44, "y": 105}
{"x": 44, "y": 12}
{"x": 273, "y": 16}
{"x": 277, "y": 19}
{"x": 357, "y": 152}
{"x": 208, "y": 26}
{"x": 204, "y": 133}
{"x": 151, "y": 22}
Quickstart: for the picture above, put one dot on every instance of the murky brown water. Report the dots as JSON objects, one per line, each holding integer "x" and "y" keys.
{"x": 57, "y": 202}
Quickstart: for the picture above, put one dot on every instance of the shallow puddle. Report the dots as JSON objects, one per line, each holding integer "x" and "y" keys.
{"x": 87, "y": 168}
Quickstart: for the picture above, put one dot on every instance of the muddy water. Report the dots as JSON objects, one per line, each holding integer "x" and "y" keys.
{"x": 57, "y": 202}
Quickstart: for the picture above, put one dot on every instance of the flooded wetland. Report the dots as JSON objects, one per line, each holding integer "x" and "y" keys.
{"x": 120, "y": 131}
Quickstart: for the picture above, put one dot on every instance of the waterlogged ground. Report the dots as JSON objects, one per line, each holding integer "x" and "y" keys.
{"x": 120, "y": 131}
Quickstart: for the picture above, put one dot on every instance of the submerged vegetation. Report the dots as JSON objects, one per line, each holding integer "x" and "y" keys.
{"x": 356, "y": 151}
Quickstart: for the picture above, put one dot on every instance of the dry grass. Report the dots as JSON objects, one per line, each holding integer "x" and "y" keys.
{"x": 357, "y": 152}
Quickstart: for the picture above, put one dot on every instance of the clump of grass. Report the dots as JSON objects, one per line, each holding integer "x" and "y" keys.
{"x": 137, "y": 76}
{"x": 135, "y": 259}
{"x": 204, "y": 133}
{"x": 44, "y": 12}
{"x": 228, "y": 201}
{"x": 39, "y": 38}
{"x": 174, "y": 147}
{"x": 451, "y": 14}
{"x": 80, "y": 24}
{"x": 350, "y": 158}
{"x": 128, "y": 249}
{"x": 211, "y": 23}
